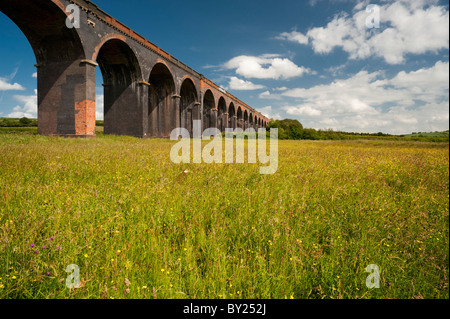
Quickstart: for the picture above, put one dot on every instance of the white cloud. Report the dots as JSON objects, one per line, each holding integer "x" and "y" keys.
{"x": 270, "y": 96}
{"x": 344, "y": 96}
{"x": 370, "y": 102}
{"x": 294, "y": 36}
{"x": 264, "y": 94}
{"x": 34, "y": 75}
{"x": 302, "y": 110}
{"x": 99, "y": 104}
{"x": 361, "y": 5}
{"x": 268, "y": 66}
{"x": 268, "y": 112}
{"x": 5, "y": 86}
{"x": 29, "y": 108}
{"x": 239, "y": 84}
{"x": 425, "y": 84}
{"x": 407, "y": 27}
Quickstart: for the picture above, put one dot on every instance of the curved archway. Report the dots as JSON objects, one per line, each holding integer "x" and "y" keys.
{"x": 62, "y": 87}
{"x": 162, "y": 119}
{"x": 209, "y": 119}
{"x": 250, "y": 121}
{"x": 120, "y": 70}
{"x": 189, "y": 110}
{"x": 44, "y": 25}
{"x": 231, "y": 116}
{"x": 222, "y": 120}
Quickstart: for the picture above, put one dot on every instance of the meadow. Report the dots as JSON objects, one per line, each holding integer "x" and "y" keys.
{"x": 139, "y": 226}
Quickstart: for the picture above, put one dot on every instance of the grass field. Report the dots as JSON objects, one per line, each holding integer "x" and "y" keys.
{"x": 139, "y": 226}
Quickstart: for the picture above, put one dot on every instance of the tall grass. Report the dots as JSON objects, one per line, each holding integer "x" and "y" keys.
{"x": 140, "y": 226}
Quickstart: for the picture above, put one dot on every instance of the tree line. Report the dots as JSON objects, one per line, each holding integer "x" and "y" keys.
{"x": 14, "y": 122}
{"x": 289, "y": 129}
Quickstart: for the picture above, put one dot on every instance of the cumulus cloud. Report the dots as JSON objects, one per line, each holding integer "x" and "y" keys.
{"x": 239, "y": 84}
{"x": 409, "y": 101}
{"x": 302, "y": 110}
{"x": 29, "y": 108}
{"x": 407, "y": 27}
{"x": 6, "y": 86}
{"x": 270, "y": 96}
{"x": 425, "y": 84}
{"x": 268, "y": 112}
{"x": 294, "y": 36}
{"x": 99, "y": 104}
{"x": 268, "y": 66}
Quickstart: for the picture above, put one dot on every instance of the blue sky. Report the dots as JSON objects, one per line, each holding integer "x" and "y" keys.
{"x": 316, "y": 61}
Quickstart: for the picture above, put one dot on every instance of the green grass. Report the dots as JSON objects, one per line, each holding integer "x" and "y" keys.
{"x": 120, "y": 209}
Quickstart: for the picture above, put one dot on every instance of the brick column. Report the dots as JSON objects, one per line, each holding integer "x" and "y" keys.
{"x": 233, "y": 122}
{"x": 241, "y": 124}
{"x": 143, "y": 97}
{"x": 177, "y": 116}
{"x": 66, "y": 98}
{"x": 224, "y": 121}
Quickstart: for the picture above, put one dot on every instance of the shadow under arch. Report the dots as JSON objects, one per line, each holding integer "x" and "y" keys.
{"x": 189, "y": 105}
{"x": 231, "y": 116}
{"x": 209, "y": 118}
{"x": 121, "y": 73}
{"x": 245, "y": 120}
{"x": 162, "y": 114}
{"x": 240, "y": 118}
{"x": 222, "y": 116}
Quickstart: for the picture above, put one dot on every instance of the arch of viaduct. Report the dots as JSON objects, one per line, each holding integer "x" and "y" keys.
{"x": 147, "y": 92}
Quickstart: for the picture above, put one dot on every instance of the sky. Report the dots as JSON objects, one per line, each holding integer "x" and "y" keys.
{"x": 348, "y": 65}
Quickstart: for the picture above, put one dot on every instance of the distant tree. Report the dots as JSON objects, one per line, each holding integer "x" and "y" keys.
{"x": 296, "y": 134}
{"x": 310, "y": 134}
{"x": 287, "y": 128}
{"x": 24, "y": 121}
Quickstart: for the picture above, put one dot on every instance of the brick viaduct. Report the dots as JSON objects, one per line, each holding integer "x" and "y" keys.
{"x": 147, "y": 92}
